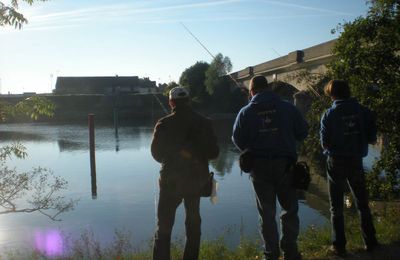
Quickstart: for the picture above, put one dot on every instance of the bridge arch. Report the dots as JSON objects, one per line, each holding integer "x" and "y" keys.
{"x": 285, "y": 90}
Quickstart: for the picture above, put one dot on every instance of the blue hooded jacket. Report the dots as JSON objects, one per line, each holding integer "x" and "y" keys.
{"x": 346, "y": 129}
{"x": 269, "y": 126}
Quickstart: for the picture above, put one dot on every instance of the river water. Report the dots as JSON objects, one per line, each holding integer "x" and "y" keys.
{"x": 127, "y": 187}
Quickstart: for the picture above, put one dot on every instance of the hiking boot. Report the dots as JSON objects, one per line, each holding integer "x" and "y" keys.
{"x": 338, "y": 251}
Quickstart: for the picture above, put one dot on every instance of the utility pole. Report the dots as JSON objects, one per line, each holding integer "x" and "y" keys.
{"x": 51, "y": 83}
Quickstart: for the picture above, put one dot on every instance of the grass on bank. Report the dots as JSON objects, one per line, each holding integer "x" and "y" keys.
{"x": 313, "y": 243}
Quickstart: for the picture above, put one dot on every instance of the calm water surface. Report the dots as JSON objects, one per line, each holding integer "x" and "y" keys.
{"x": 127, "y": 186}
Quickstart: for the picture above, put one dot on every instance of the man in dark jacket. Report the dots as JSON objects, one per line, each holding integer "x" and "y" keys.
{"x": 346, "y": 129}
{"x": 269, "y": 127}
{"x": 183, "y": 142}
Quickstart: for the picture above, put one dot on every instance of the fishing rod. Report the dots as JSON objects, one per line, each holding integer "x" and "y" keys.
{"x": 208, "y": 51}
{"x": 313, "y": 91}
{"x": 230, "y": 76}
{"x": 197, "y": 39}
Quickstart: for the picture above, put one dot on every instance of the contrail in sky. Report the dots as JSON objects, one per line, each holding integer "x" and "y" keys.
{"x": 132, "y": 12}
{"x": 121, "y": 10}
{"x": 230, "y": 18}
{"x": 306, "y": 7}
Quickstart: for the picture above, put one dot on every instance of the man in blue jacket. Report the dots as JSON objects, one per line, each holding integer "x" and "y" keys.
{"x": 269, "y": 127}
{"x": 346, "y": 129}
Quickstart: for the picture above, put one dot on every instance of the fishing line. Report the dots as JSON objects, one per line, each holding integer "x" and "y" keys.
{"x": 155, "y": 190}
{"x": 161, "y": 104}
{"x": 155, "y": 202}
{"x": 276, "y": 52}
{"x": 208, "y": 51}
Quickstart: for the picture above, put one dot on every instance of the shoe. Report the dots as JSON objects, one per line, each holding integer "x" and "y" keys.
{"x": 337, "y": 251}
{"x": 296, "y": 257}
{"x": 371, "y": 247}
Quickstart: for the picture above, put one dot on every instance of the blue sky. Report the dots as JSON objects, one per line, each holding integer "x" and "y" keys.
{"x": 145, "y": 38}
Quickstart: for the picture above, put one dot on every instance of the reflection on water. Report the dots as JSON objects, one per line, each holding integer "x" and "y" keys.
{"x": 127, "y": 187}
{"x": 70, "y": 145}
{"x": 224, "y": 163}
{"x": 20, "y": 136}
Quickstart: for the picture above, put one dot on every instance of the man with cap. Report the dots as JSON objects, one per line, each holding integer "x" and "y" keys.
{"x": 269, "y": 127}
{"x": 183, "y": 142}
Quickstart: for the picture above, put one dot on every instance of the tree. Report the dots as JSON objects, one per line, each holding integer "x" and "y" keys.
{"x": 210, "y": 86}
{"x": 170, "y": 86}
{"x": 193, "y": 78}
{"x": 218, "y": 85}
{"x": 9, "y": 15}
{"x": 31, "y": 108}
{"x": 367, "y": 54}
{"x": 219, "y": 67}
{"x": 39, "y": 187}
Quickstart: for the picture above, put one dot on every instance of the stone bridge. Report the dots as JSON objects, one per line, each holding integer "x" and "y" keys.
{"x": 285, "y": 70}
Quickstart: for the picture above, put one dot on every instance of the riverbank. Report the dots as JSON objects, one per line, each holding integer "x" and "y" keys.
{"x": 76, "y": 107}
{"x": 108, "y": 108}
{"x": 313, "y": 243}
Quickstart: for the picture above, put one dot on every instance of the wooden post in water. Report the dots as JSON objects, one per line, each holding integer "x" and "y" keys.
{"x": 116, "y": 121}
{"x": 92, "y": 155}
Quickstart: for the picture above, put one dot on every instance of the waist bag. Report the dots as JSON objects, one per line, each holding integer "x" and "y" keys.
{"x": 301, "y": 175}
{"x": 207, "y": 188}
{"x": 246, "y": 161}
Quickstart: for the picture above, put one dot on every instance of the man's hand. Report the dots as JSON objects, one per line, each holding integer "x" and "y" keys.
{"x": 185, "y": 154}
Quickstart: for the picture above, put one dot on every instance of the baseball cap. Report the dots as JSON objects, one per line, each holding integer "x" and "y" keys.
{"x": 178, "y": 92}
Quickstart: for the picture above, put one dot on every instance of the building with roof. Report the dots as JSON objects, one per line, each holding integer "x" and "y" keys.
{"x": 104, "y": 85}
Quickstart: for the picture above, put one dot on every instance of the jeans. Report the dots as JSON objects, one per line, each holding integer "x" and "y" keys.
{"x": 272, "y": 180}
{"x": 350, "y": 169}
{"x": 167, "y": 205}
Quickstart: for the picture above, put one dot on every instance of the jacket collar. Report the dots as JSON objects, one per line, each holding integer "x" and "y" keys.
{"x": 264, "y": 96}
{"x": 182, "y": 109}
{"x": 339, "y": 102}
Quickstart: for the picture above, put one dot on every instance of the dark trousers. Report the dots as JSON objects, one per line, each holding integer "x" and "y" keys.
{"x": 167, "y": 205}
{"x": 350, "y": 169}
{"x": 272, "y": 181}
